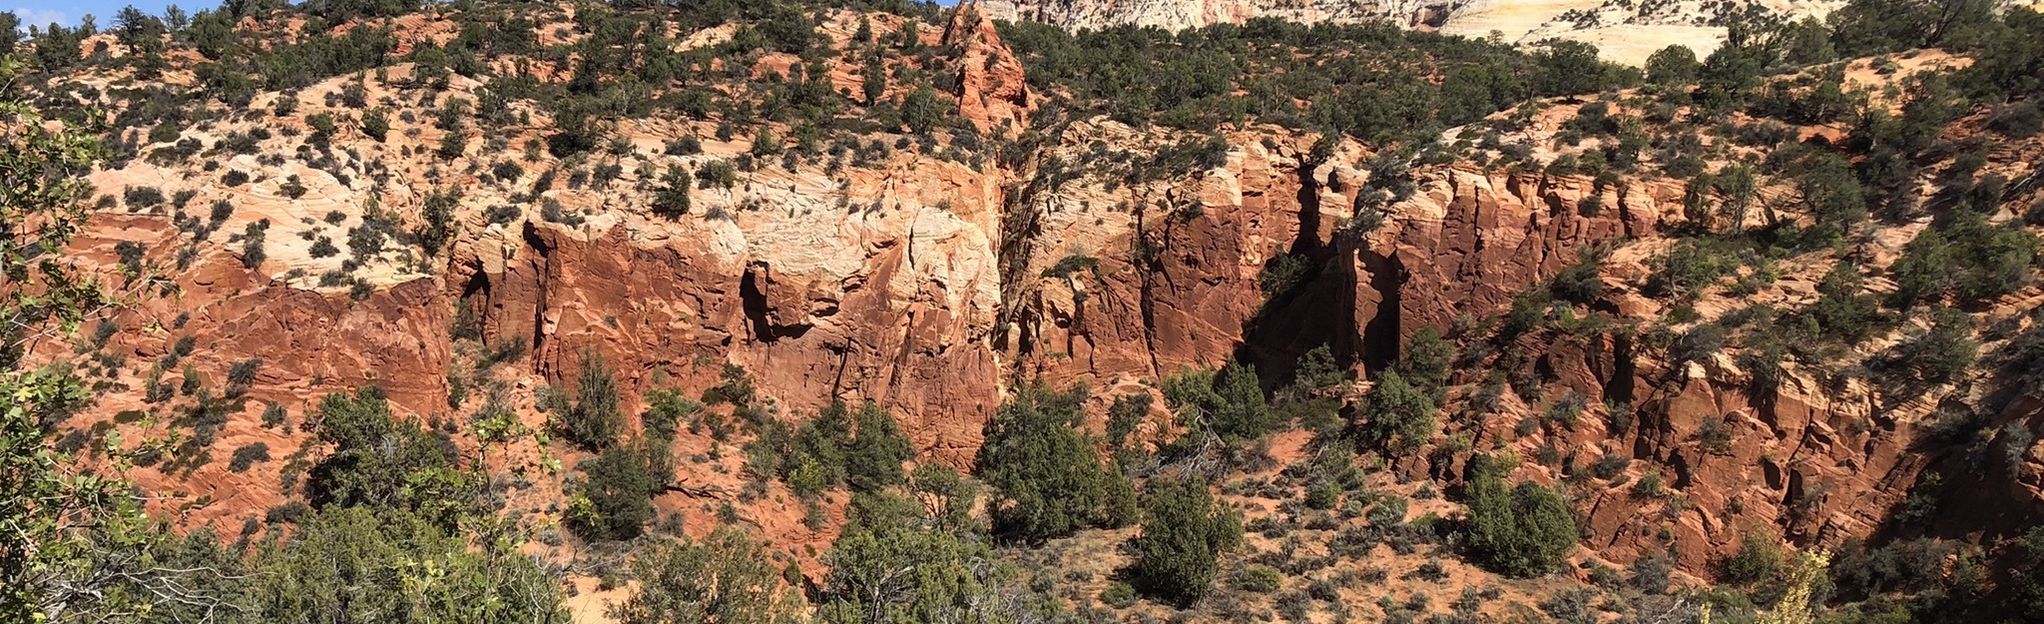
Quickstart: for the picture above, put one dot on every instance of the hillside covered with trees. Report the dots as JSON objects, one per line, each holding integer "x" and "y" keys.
{"x": 880, "y": 311}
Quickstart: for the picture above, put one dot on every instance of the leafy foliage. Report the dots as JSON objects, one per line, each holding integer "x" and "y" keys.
{"x": 1522, "y": 531}
{"x": 836, "y": 448}
{"x": 1366, "y": 80}
{"x": 1124, "y": 416}
{"x": 362, "y": 565}
{"x": 1185, "y": 531}
{"x": 1425, "y": 362}
{"x": 1396, "y": 416}
{"x": 594, "y": 419}
{"x": 381, "y": 462}
{"x": 1047, "y": 480}
{"x": 617, "y": 501}
{"x": 1965, "y": 259}
{"x": 1228, "y": 403}
{"x": 726, "y": 577}
{"x": 953, "y": 577}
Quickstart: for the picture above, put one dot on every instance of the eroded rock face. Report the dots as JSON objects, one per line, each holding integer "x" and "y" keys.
{"x": 993, "y": 90}
{"x": 1170, "y": 273}
{"x": 893, "y": 307}
{"x": 1470, "y": 240}
{"x": 932, "y": 285}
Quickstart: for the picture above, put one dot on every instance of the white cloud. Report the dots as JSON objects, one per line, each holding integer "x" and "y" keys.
{"x": 41, "y": 17}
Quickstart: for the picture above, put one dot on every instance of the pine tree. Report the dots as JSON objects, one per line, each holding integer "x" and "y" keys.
{"x": 594, "y": 420}
{"x": 1185, "y": 531}
{"x": 618, "y": 495}
{"x": 726, "y": 577}
{"x": 1046, "y": 478}
{"x": 1425, "y": 362}
{"x": 673, "y": 198}
{"x": 1396, "y": 416}
{"x": 1241, "y": 413}
{"x": 873, "y": 460}
{"x": 1524, "y": 531}
{"x": 874, "y": 83}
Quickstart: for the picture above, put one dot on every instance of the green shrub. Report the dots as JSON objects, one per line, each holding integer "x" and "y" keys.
{"x": 248, "y": 456}
{"x": 1426, "y": 362}
{"x": 1652, "y": 573}
{"x": 877, "y": 450}
{"x": 274, "y": 415}
{"x": 1673, "y": 66}
{"x": 1119, "y": 594}
{"x": 2027, "y": 569}
{"x": 165, "y": 132}
{"x": 1283, "y": 274}
{"x": 1071, "y": 263}
{"x": 1228, "y": 403}
{"x": 1649, "y": 486}
{"x": 1124, "y": 416}
{"x": 322, "y": 125}
{"x": 953, "y": 573}
{"x": 292, "y": 187}
{"x": 1185, "y": 532}
{"x": 1966, "y": 259}
{"x": 1396, "y": 416}
{"x": 192, "y": 383}
{"x": 141, "y": 197}
{"x": 1688, "y": 268}
{"x": 323, "y": 572}
{"x": 1259, "y": 579}
{"x": 1525, "y": 531}
{"x": 437, "y": 212}
{"x": 717, "y": 174}
{"x": 734, "y": 388}
{"x": 1581, "y": 283}
{"x": 1843, "y": 310}
{"x": 617, "y": 501}
{"x": 1941, "y": 352}
{"x": 453, "y": 144}
{"x": 380, "y": 461}
{"x": 727, "y": 577}
{"x": 1048, "y": 481}
{"x": 289, "y": 512}
{"x": 376, "y": 124}
{"x": 1758, "y": 558}
{"x": 673, "y": 197}
{"x": 252, "y": 254}
{"x": 1322, "y": 494}
{"x": 1715, "y": 435}
{"x": 593, "y": 420}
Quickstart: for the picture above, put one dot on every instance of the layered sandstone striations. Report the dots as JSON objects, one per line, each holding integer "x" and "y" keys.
{"x": 934, "y": 279}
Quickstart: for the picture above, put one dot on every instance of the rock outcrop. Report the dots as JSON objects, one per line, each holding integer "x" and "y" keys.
{"x": 993, "y": 92}
{"x": 932, "y": 280}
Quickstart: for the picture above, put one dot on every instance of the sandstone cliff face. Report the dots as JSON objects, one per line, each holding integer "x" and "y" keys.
{"x": 993, "y": 90}
{"x": 894, "y": 294}
{"x": 1176, "y": 288}
{"x": 1170, "y": 280}
{"x": 932, "y": 285}
{"x": 888, "y": 297}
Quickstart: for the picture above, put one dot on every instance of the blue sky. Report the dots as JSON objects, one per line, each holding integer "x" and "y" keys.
{"x": 68, "y": 12}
